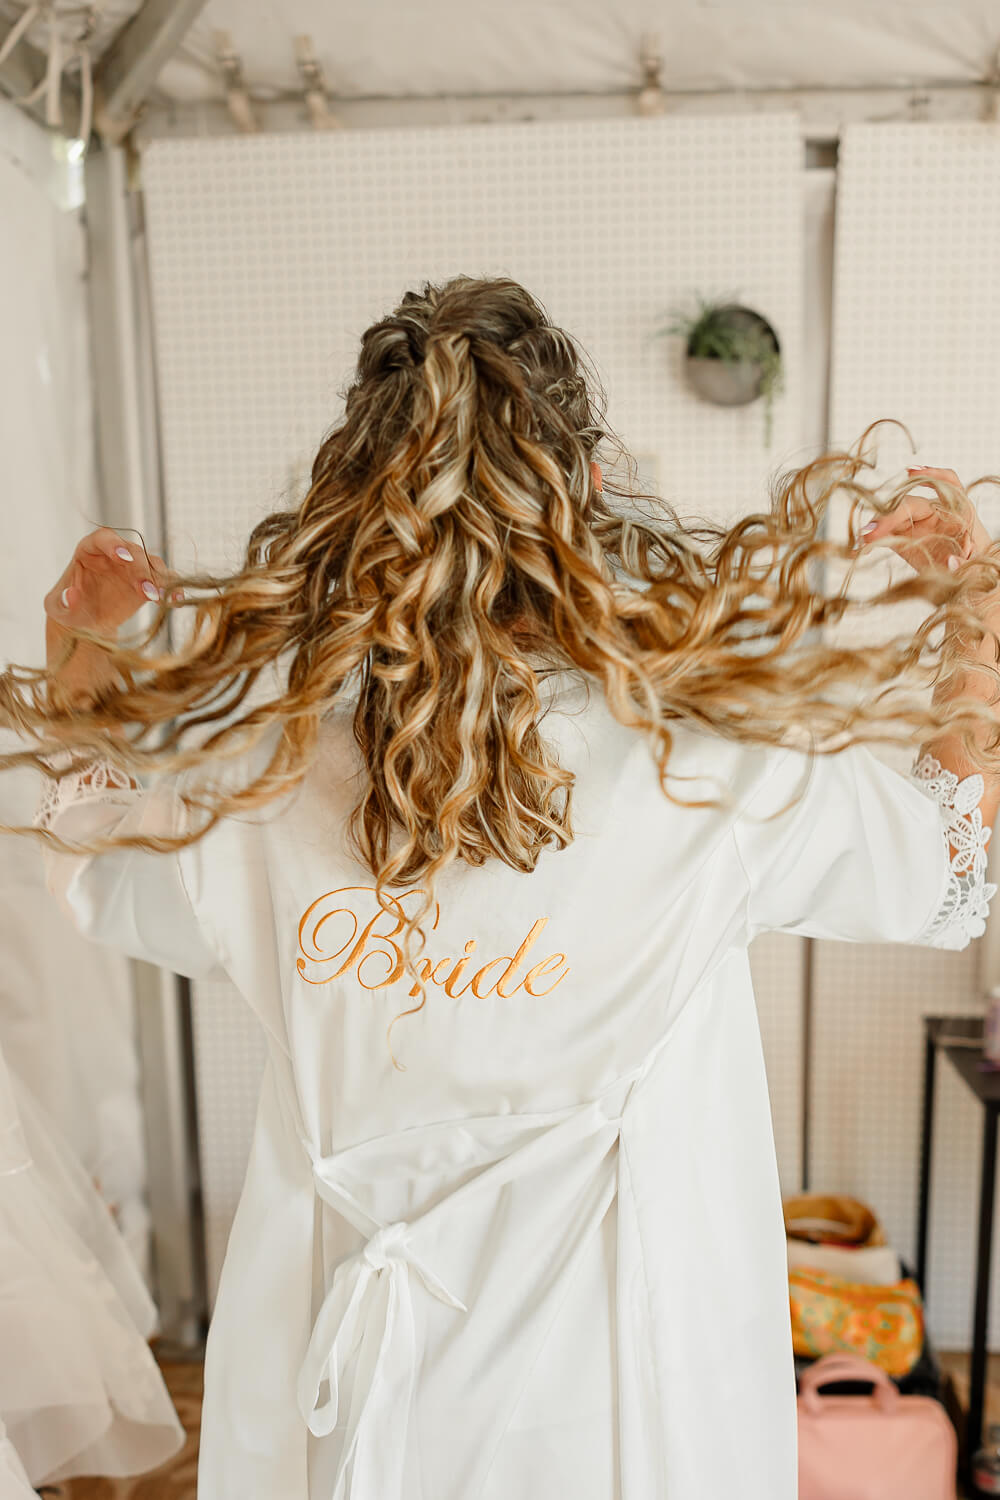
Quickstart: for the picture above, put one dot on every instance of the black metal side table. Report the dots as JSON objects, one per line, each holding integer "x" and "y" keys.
{"x": 953, "y": 1035}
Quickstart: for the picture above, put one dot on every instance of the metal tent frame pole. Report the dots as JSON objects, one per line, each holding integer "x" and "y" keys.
{"x": 131, "y": 496}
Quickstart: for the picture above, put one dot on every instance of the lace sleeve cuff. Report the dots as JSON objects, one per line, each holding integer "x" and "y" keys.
{"x": 96, "y": 782}
{"x": 964, "y": 907}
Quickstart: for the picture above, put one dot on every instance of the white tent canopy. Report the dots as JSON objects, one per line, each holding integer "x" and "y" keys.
{"x": 169, "y": 54}
{"x": 394, "y": 49}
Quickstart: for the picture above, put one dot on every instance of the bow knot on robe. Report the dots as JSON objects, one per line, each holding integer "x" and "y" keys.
{"x": 367, "y": 1313}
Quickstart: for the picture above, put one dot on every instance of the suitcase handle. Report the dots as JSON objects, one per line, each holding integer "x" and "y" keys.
{"x": 845, "y": 1366}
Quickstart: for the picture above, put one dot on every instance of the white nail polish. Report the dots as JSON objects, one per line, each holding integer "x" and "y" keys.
{"x": 123, "y": 553}
{"x": 953, "y": 564}
{"x": 64, "y": 598}
{"x": 150, "y": 590}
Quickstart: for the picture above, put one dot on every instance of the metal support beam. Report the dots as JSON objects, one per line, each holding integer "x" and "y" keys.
{"x": 131, "y": 65}
{"x": 128, "y": 473}
{"x": 114, "y": 344}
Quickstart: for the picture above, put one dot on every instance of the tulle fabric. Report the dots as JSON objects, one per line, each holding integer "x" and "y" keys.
{"x": 80, "y": 1392}
{"x": 14, "y": 1482}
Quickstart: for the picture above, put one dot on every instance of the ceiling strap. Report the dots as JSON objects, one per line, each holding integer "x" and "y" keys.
{"x": 652, "y": 99}
{"x": 321, "y": 116}
{"x": 231, "y": 68}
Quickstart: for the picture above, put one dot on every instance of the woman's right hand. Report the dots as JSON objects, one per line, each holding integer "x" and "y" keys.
{"x": 107, "y": 580}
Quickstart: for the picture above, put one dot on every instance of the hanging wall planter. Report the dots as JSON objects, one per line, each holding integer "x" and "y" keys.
{"x": 732, "y": 356}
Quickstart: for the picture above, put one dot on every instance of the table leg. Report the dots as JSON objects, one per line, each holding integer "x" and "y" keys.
{"x": 926, "y": 1139}
{"x": 977, "y": 1376}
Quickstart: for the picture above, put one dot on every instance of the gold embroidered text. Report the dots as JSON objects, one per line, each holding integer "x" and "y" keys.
{"x": 333, "y": 941}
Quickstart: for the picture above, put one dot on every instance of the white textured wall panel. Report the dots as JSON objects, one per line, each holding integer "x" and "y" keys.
{"x": 777, "y": 962}
{"x": 228, "y": 1062}
{"x": 270, "y": 255}
{"x": 916, "y": 335}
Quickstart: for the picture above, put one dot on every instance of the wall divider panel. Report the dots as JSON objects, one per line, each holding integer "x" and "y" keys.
{"x": 269, "y": 255}
{"x": 916, "y": 334}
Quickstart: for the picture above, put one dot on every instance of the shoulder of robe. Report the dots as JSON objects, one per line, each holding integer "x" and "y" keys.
{"x": 228, "y": 774}
{"x": 730, "y": 771}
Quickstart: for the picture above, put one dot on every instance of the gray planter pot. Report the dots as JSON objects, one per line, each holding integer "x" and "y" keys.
{"x": 722, "y": 382}
{"x": 726, "y": 382}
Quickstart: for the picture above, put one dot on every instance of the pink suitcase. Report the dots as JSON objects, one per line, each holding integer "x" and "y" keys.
{"x": 882, "y": 1446}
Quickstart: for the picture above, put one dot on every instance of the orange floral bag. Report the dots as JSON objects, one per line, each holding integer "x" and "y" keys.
{"x": 884, "y": 1324}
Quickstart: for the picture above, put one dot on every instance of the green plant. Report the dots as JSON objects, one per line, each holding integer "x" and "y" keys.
{"x": 711, "y": 331}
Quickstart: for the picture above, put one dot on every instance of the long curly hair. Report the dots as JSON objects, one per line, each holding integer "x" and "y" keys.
{"x": 452, "y": 549}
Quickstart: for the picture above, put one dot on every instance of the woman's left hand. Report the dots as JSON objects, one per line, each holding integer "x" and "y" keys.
{"x": 925, "y": 535}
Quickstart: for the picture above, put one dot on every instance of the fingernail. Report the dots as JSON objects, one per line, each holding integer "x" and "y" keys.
{"x": 123, "y": 553}
{"x": 953, "y": 564}
{"x": 150, "y": 590}
{"x": 64, "y": 598}
{"x": 865, "y": 530}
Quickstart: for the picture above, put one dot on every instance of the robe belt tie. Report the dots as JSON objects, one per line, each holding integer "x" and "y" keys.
{"x": 368, "y": 1309}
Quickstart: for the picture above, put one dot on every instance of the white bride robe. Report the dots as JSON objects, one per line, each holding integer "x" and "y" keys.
{"x": 507, "y": 1271}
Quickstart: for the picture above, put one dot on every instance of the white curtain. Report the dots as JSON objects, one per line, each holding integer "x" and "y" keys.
{"x": 66, "y": 1025}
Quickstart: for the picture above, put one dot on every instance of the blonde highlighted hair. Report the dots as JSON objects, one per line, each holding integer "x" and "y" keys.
{"x": 452, "y": 547}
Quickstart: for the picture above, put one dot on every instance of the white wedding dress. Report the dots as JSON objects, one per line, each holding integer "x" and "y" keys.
{"x": 507, "y": 1271}
{"x": 14, "y": 1482}
{"x": 80, "y": 1392}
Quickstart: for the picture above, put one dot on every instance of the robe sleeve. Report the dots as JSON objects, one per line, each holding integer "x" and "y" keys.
{"x": 139, "y": 902}
{"x": 843, "y": 846}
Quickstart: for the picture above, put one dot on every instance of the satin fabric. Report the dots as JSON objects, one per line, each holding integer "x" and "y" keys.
{"x": 504, "y": 1266}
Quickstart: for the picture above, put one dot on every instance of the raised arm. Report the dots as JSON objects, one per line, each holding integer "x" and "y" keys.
{"x": 107, "y": 580}
{"x": 925, "y": 537}
{"x": 137, "y": 901}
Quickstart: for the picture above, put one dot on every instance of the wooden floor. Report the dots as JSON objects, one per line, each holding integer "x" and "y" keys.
{"x": 177, "y": 1479}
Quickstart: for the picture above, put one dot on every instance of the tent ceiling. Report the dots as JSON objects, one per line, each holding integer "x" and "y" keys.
{"x": 398, "y": 49}
{"x": 74, "y": 19}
